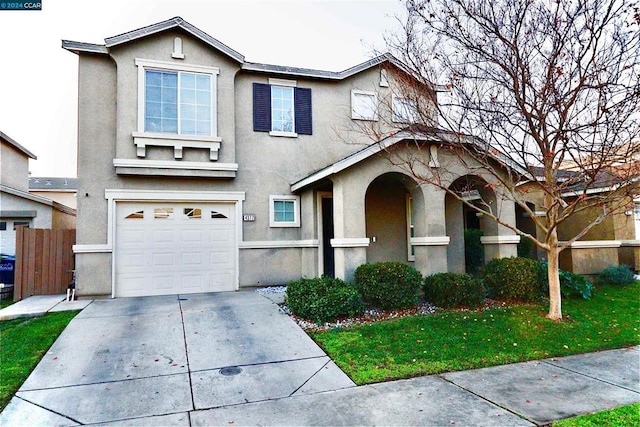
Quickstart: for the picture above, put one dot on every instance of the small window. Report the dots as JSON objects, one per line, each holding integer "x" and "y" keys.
{"x": 135, "y": 215}
{"x": 364, "y": 105}
{"x": 17, "y": 224}
{"x": 3, "y": 225}
{"x": 193, "y": 213}
{"x": 163, "y": 213}
{"x": 217, "y": 215}
{"x": 404, "y": 110}
{"x": 284, "y": 211}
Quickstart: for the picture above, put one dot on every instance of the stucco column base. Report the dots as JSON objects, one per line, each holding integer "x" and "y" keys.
{"x": 93, "y": 274}
{"x": 430, "y": 259}
{"x": 347, "y": 260}
{"x": 502, "y": 250}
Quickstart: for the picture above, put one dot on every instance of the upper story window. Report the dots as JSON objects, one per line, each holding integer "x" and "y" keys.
{"x": 282, "y": 117}
{"x": 404, "y": 110}
{"x": 281, "y": 108}
{"x": 177, "y": 102}
{"x": 176, "y": 99}
{"x": 364, "y": 105}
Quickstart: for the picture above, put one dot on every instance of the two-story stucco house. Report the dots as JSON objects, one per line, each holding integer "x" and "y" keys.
{"x": 199, "y": 171}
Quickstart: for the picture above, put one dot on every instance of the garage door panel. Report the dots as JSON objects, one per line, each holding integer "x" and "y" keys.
{"x": 168, "y": 248}
{"x": 162, "y": 260}
{"x": 192, "y": 258}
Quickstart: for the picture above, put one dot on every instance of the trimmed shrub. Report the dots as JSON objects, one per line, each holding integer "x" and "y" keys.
{"x": 388, "y": 284}
{"x": 571, "y": 284}
{"x": 323, "y": 299}
{"x": 453, "y": 289}
{"x": 512, "y": 279}
{"x": 473, "y": 250}
{"x": 620, "y": 275}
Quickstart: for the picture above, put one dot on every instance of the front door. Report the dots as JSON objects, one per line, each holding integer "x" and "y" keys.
{"x": 327, "y": 234}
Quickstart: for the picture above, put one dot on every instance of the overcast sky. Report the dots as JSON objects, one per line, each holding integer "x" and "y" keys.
{"x": 38, "y": 79}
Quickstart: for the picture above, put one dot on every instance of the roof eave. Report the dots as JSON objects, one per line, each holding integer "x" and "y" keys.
{"x": 81, "y": 47}
{"x": 17, "y": 146}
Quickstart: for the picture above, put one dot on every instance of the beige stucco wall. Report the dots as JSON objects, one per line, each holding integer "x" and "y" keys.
{"x": 14, "y": 168}
{"x": 66, "y": 198}
{"x": 267, "y": 165}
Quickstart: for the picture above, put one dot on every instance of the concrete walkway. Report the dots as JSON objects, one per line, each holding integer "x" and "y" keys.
{"x": 235, "y": 359}
{"x": 38, "y": 305}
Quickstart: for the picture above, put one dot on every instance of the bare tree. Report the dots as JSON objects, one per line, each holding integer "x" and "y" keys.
{"x": 531, "y": 85}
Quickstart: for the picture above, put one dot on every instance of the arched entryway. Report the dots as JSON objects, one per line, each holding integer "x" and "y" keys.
{"x": 461, "y": 217}
{"x": 388, "y": 218}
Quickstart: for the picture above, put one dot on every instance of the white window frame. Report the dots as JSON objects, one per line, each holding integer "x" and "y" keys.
{"x": 358, "y": 115}
{"x": 142, "y": 139}
{"x": 296, "y": 211}
{"x": 291, "y": 84}
{"x": 636, "y": 217}
{"x": 412, "y": 110}
{"x": 410, "y": 229}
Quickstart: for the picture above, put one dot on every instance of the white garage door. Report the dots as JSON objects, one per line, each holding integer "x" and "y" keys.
{"x": 172, "y": 248}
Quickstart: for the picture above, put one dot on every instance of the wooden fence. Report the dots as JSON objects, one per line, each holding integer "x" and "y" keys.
{"x": 44, "y": 260}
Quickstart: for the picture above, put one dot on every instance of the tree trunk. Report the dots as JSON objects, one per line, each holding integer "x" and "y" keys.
{"x": 555, "y": 298}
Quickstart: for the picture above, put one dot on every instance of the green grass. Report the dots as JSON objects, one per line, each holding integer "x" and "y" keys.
{"x": 23, "y": 342}
{"x": 619, "y": 417}
{"x": 5, "y": 303}
{"x": 456, "y": 340}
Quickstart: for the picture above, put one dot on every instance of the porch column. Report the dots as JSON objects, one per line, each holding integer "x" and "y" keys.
{"x": 499, "y": 241}
{"x": 430, "y": 240}
{"x": 350, "y": 241}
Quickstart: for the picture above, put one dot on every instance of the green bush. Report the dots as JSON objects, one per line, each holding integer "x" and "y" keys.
{"x": 525, "y": 247}
{"x": 571, "y": 284}
{"x": 512, "y": 279}
{"x": 452, "y": 290}
{"x": 620, "y": 275}
{"x": 473, "y": 250}
{"x": 388, "y": 284}
{"x": 323, "y": 299}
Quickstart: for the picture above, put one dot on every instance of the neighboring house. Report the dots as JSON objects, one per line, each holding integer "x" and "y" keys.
{"x": 614, "y": 241}
{"x": 199, "y": 171}
{"x": 61, "y": 190}
{"x": 18, "y": 207}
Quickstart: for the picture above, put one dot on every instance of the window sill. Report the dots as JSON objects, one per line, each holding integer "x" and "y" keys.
{"x": 178, "y": 142}
{"x": 366, "y": 119}
{"x": 284, "y": 225}
{"x": 283, "y": 134}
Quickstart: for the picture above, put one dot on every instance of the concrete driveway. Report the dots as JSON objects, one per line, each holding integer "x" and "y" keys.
{"x": 135, "y": 358}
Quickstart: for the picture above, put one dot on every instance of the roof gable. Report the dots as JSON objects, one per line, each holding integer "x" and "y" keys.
{"x": 11, "y": 142}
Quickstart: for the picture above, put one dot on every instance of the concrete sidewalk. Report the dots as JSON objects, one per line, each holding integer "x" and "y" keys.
{"x": 38, "y": 305}
{"x": 235, "y": 359}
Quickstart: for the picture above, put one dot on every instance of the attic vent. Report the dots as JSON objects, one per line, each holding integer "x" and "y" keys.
{"x": 177, "y": 49}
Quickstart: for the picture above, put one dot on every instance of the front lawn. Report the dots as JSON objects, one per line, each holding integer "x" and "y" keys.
{"x": 23, "y": 342}
{"x": 455, "y": 340}
{"x": 619, "y": 417}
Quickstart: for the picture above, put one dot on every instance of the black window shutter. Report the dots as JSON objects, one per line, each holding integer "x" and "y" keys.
{"x": 302, "y": 103}
{"x": 261, "y": 107}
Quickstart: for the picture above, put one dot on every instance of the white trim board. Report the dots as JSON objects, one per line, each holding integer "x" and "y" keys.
{"x": 500, "y": 240}
{"x": 272, "y": 244}
{"x": 350, "y": 242}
